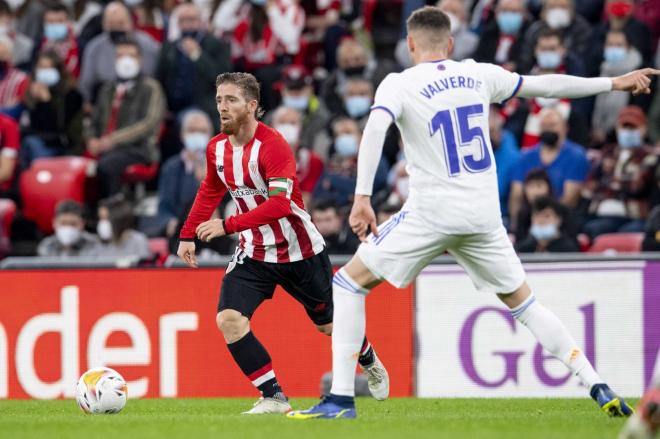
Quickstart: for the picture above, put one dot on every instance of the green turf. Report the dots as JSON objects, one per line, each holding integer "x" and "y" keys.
{"x": 396, "y": 418}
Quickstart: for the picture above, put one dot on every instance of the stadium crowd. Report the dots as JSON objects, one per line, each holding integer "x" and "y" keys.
{"x": 128, "y": 88}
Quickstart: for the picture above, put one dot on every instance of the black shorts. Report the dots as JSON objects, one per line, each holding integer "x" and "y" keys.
{"x": 247, "y": 283}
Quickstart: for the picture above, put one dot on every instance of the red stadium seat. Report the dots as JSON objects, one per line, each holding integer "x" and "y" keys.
{"x": 618, "y": 242}
{"x": 50, "y": 180}
{"x": 139, "y": 175}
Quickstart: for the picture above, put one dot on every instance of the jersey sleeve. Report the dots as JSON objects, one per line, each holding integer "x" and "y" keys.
{"x": 388, "y": 96}
{"x": 501, "y": 84}
{"x": 209, "y": 195}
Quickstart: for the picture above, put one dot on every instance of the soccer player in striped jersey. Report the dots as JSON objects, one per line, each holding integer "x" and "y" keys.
{"x": 441, "y": 109}
{"x": 278, "y": 243}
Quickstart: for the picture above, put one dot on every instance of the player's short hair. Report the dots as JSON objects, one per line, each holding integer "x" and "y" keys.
{"x": 69, "y": 207}
{"x": 247, "y": 83}
{"x": 433, "y": 21}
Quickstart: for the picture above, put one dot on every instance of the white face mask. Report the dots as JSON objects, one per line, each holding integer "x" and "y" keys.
{"x": 67, "y": 235}
{"x": 196, "y": 141}
{"x": 49, "y": 76}
{"x": 290, "y": 132}
{"x": 127, "y": 67}
{"x": 558, "y": 18}
{"x": 104, "y": 230}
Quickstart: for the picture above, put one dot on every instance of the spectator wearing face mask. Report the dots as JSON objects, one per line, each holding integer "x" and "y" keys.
{"x": 70, "y": 238}
{"x": 309, "y": 166}
{"x": 353, "y": 60}
{"x": 298, "y": 94}
{"x": 558, "y": 15}
{"x": 619, "y": 58}
{"x": 501, "y": 40}
{"x": 23, "y": 45}
{"x": 126, "y": 123}
{"x": 507, "y": 154}
{"x": 536, "y": 185}
{"x": 339, "y": 178}
{"x": 181, "y": 175}
{"x": 465, "y": 41}
{"x": 358, "y": 96}
{"x": 621, "y": 183}
{"x": 59, "y": 37}
{"x": 620, "y": 17}
{"x": 565, "y": 162}
{"x": 13, "y": 82}
{"x": 115, "y": 229}
{"x": 98, "y": 65}
{"x": 55, "y": 109}
{"x": 551, "y": 57}
{"x": 187, "y": 67}
{"x": 339, "y": 240}
{"x": 546, "y": 233}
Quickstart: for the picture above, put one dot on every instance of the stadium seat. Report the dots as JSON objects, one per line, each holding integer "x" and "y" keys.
{"x": 139, "y": 175}
{"x": 50, "y": 180}
{"x": 618, "y": 242}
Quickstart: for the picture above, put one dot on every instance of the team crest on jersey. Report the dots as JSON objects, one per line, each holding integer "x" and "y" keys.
{"x": 252, "y": 166}
{"x": 221, "y": 168}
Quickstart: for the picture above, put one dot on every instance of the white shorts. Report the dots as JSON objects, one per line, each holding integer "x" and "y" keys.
{"x": 406, "y": 244}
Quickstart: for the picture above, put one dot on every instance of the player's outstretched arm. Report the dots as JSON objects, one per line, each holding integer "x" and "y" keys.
{"x": 572, "y": 87}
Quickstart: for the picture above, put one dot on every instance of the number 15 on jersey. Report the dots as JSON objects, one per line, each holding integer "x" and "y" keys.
{"x": 443, "y": 122}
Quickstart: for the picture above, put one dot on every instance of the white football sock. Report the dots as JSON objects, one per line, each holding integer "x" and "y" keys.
{"x": 348, "y": 328}
{"x": 555, "y": 338}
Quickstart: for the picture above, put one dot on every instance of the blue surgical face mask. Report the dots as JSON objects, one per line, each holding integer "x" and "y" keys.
{"x": 56, "y": 31}
{"x": 259, "y": 2}
{"x": 509, "y": 22}
{"x": 196, "y": 141}
{"x": 615, "y": 54}
{"x": 627, "y": 138}
{"x": 548, "y": 59}
{"x": 357, "y": 106}
{"x": 49, "y": 76}
{"x": 299, "y": 103}
{"x": 346, "y": 145}
{"x": 544, "y": 232}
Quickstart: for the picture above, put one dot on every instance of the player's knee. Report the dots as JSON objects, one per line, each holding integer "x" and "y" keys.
{"x": 233, "y": 324}
{"x": 325, "y": 329}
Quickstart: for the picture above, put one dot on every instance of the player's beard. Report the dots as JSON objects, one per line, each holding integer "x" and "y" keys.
{"x": 231, "y": 127}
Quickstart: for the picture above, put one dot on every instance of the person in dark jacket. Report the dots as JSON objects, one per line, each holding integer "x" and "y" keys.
{"x": 546, "y": 233}
{"x": 187, "y": 67}
{"x": 55, "y": 109}
{"x": 339, "y": 240}
{"x": 127, "y": 120}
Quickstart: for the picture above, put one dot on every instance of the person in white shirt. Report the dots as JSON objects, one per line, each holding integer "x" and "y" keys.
{"x": 441, "y": 109}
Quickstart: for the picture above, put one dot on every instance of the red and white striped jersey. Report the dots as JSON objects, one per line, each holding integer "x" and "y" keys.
{"x": 261, "y": 178}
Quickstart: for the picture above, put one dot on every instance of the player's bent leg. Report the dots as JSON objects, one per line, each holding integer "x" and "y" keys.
{"x": 232, "y": 324}
{"x": 555, "y": 338}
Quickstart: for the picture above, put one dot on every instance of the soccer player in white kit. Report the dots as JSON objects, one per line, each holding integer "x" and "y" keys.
{"x": 441, "y": 109}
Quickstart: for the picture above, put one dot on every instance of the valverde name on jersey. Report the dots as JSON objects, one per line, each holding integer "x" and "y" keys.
{"x": 449, "y": 82}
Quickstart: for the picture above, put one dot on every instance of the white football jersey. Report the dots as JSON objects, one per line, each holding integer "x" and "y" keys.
{"x": 441, "y": 109}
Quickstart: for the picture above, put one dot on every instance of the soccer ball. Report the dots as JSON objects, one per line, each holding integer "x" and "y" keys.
{"x": 101, "y": 390}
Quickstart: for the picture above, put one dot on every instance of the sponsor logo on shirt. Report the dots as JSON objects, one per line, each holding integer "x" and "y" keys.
{"x": 248, "y": 192}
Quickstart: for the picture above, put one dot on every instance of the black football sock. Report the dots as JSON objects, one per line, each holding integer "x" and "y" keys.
{"x": 254, "y": 361}
{"x": 366, "y": 357}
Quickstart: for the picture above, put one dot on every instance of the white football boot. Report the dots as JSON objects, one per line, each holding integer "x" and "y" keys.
{"x": 265, "y": 406}
{"x": 377, "y": 379}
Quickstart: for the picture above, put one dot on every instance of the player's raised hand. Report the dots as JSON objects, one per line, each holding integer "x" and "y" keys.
{"x": 362, "y": 217}
{"x": 638, "y": 81}
{"x": 210, "y": 229}
{"x": 186, "y": 252}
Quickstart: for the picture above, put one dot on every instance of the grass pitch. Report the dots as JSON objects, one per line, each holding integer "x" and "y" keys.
{"x": 395, "y": 418}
